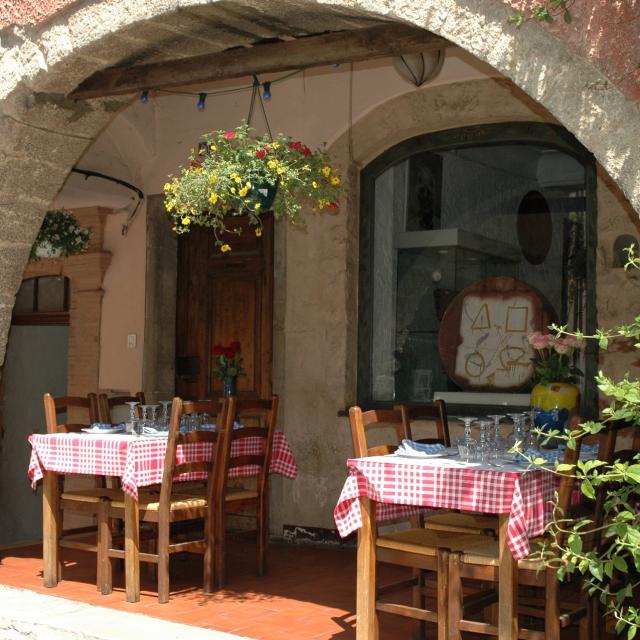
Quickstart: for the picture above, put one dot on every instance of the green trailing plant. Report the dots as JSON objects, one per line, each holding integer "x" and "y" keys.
{"x": 61, "y": 233}
{"x": 548, "y": 11}
{"x": 610, "y": 572}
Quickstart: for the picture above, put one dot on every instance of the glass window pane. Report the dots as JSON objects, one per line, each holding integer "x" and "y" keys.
{"x": 24, "y": 299}
{"x": 51, "y": 294}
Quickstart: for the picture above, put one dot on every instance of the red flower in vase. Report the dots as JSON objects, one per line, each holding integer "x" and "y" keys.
{"x": 228, "y": 361}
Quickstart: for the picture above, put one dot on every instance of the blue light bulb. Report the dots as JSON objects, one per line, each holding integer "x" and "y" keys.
{"x": 201, "y": 101}
{"x": 266, "y": 90}
{"x": 144, "y": 96}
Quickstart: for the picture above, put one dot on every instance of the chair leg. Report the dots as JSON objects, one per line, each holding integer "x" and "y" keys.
{"x": 219, "y": 555}
{"x": 455, "y": 596}
{"x": 442, "y": 598}
{"x": 104, "y": 544}
{"x": 419, "y": 598}
{"x": 583, "y": 629}
{"x": 208, "y": 579}
{"x": 163, "y": 562}
{"x": 262, "y": 517}
{"x": 551, "y": 607}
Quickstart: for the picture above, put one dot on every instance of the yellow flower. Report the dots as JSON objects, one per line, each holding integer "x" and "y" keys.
{"x": 314, "y": 184}
{"x": 224, "y": 248}
{"x": 257, "y": 205}
{"x": 279, "y": 170}
{"x": 186, "y": 220}
{"x": 213, "y": 147}
{"x": 170, "y": 206}
{"x": 233, "y": 176}
{"x": 272, "y": 164}
{"x": 243, "y": 192}
{"x": 233, "y": 189}
{"x": 326, "y": 171}
{"x": 167, "y": 186}
{"x": 258, "y": 232}
{"x": 213, "y": 178}
{"x": 335, "y": 180}
{"x": 213, "y": 198}
{"x": 274, "y": 145}
{"x": 238, "y": 179}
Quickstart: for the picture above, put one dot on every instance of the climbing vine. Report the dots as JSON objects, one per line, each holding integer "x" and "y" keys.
{"x": 547, "y": 11}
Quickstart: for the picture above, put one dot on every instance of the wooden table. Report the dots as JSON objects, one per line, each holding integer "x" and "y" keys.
{"x": 521, "y": 499}
{"x": 138, "y": 462}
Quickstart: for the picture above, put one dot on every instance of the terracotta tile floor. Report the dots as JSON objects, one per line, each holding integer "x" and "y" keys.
{"x": 309, "y": 592}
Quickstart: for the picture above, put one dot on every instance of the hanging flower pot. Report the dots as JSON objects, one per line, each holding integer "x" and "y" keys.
{"x": 60, "y": 235}
{"x": 235, "y": 173}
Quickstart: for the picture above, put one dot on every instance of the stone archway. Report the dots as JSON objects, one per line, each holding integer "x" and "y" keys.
{"x": 43, "y": 134}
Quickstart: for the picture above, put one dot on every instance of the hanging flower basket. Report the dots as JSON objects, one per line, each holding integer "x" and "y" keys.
{"x": 235, "y": 173}
{"x": 60, "y": 235}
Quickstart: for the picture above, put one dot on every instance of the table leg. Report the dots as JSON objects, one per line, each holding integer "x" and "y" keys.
{"x": 131, "y": 548}
{"x": 50, "y": 528}
{"x": 507, "y": 586}
{"x": 366, "y": 618}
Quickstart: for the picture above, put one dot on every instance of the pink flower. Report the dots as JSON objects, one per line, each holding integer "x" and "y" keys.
{"x": 230, "y": 135}
{"x": 560, "y": 346}
{"x": 572, "y": 342}
{"x": 539, "y": 340}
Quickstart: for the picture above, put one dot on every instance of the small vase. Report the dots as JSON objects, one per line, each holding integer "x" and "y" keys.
{"x": 230, "y": 387}
{"x": 553, "y": 405}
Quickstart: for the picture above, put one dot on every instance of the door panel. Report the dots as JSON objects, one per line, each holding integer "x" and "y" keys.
{"x": 222, "y": 298}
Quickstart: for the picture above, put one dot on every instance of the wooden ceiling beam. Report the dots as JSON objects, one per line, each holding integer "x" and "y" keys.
{"x": 310, "y": 51}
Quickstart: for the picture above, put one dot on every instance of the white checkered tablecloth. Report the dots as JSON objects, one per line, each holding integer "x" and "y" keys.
{"x": 399, "y": 486}
{"x": 139, "y": 462}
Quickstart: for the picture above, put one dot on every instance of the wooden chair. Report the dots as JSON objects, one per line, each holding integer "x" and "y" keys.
{"x": 107, "y": 403}
{"x": 88, "y": 502}
{"x": 417, "y": 548}
{"x": 481, "y": 563}
{"x": 259, "y": 420}
{"x": 167, "y": 506}
{"x": 447, "y": 521}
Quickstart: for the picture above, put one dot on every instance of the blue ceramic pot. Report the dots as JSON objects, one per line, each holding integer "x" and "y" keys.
{"x": 230, "y": 388}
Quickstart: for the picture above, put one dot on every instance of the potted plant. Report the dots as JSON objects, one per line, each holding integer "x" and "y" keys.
{"x": 555, "y": 395}
{"x": 234, "y": 173}
{"x": 228, "y": 366}
{"x": 60, "y": 235}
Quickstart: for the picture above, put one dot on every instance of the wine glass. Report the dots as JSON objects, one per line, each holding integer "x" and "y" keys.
{"x": 165, "y": 414}
{"x": 468, "y": 442}
{"x": 132, "y": 416}
{"x": 144, "y": 421}
{"x": 484, "y": 445}
{"x": 154, "y": 412}
{"x": 498, "y": 440}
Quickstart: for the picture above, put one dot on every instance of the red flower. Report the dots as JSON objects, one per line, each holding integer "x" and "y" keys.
{"x": 305, "y": 150}
{"x": 218, "y": 350}
{"x": 333, "y": 205}
{"x": 261, "y": 153}
{"x": 196, "y": 162}
{"x": 235, "y": 346}
{"x": 229, "y": 353}
{"x": 230, "y": 135}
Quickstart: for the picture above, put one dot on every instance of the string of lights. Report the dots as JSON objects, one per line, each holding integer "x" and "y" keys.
{"x": 201, "y": 96}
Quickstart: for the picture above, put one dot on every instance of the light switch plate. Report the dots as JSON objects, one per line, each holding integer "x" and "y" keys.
{"x": 132, "y": 340}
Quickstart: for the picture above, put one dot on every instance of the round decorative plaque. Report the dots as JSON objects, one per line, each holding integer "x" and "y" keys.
{"x": 483, "y": 334}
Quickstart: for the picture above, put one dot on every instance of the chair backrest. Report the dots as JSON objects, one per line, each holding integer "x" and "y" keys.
{"x": 53, "y": 406}
{"x": 107, "y": 403}
{"x": 211, "y": 407}
{"x": 363, "y": 421}
{"x": 258, "y": 418}
{"x": 192, "y": 438}
{"x": 437, "y": 412}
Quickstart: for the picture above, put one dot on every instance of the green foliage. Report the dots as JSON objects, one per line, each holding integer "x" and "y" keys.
{"x": 60, "y": 231}
{"x": 231, "y": 173}
{"x": 547, "y": 11}
{"x": 611, "y": 571}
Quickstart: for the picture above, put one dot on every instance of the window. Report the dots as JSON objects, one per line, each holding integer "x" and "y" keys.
{"x": 457, "y": 210}
{"x": 42, "y": 300}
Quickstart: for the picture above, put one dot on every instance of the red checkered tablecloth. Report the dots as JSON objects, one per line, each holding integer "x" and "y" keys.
{"x": 138, "y": 462}
{"x": 399, "y": 486}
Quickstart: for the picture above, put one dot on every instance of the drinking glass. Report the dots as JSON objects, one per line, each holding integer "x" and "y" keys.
{"x": 498, "y": 441}
{"x": 484, "y": 449}
{"x": 132, "y": 417}
{"x": 154, "y": 412}
{"x": 164, "y": 421}
{"x": 144, "y": 421}
{"x": 467, "y": 440}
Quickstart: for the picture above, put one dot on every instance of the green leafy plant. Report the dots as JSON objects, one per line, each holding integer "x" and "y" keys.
{"x": 546, "y": 11}
{"x": 554, "y": 357}
{"x": 611, "y": 571}
{"x": 235, "y": 173}
{"x": 60, "y": 233}
{"x": 228, "y": 361}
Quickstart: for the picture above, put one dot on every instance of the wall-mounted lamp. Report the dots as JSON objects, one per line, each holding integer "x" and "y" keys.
{"x": 419, "y": 68}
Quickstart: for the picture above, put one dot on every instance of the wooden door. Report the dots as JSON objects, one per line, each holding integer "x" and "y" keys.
{"x": 222, "y": 298}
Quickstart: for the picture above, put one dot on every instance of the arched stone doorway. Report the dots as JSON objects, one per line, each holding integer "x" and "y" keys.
{"x": 44, "y": 134}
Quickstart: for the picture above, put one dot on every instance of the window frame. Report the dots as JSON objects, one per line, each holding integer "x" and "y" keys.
{"x": 36, "y": 317}
{"x": 537, "y": 133}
